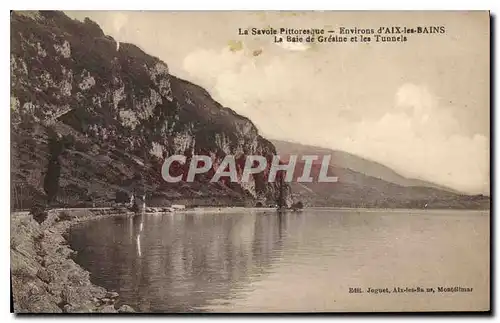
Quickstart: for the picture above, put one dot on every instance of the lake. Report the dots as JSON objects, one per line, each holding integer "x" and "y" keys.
{"x": 294, "y": 262}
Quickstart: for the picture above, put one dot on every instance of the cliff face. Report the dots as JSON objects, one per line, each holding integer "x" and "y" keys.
{"x": 117, "y": 113}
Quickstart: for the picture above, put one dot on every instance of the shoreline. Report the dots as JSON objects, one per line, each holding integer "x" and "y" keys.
{"x": 44, "y": 277}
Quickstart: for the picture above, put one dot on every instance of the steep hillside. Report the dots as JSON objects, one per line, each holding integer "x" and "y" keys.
{"x": 91, "y": 117}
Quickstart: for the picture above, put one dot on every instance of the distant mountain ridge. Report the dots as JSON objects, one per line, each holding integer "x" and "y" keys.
{"x": 363, "y": 183}
{"x": 358, "y": 164}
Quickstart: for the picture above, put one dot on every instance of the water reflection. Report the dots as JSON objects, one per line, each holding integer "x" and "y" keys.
{"x": 283, "y": 262}
{"x": 177, "y": 262}
{"x": 138, "y": 218}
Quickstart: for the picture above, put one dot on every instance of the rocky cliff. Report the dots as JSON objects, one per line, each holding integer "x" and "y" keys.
{"x": 113, "y": 113}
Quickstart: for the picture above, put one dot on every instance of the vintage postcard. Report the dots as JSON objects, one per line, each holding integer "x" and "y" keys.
{"x": 250, "y": 162}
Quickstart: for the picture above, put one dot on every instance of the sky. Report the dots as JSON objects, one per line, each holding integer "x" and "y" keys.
{"x": 420, "y": 107}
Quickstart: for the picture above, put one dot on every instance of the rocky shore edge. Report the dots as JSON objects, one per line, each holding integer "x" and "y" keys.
{"x": 44, "y": 277}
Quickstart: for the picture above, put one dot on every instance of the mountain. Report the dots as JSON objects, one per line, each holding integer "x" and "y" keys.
{"x": 92, "y": 119}
{"x": 358, "y": 164}
{"x": 363, "y": 183}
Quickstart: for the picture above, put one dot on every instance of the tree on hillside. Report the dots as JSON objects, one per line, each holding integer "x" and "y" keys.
{"x": 298, "y": 205}
{"x": 51, "y": 180}
{"x": 122, "y": 197}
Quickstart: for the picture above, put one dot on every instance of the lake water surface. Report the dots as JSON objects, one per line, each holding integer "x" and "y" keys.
{"x": 295, "y": 262}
